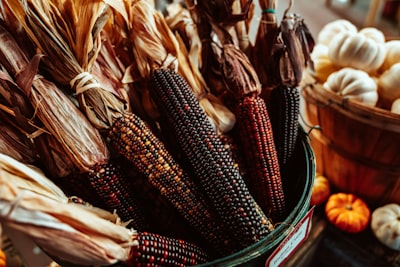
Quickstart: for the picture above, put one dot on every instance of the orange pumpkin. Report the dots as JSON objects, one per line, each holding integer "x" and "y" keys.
{"x": 320, "y": 191}
{"x": 347, "y": 212}
{"x": 2, "y": 258}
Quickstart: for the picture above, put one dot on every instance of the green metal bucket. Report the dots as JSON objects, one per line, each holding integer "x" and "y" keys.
{"x": 301, "y": 173}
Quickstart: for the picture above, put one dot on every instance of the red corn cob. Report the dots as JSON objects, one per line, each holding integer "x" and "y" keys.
{"x": 155, "y": 250}
{"x": 264, "y": 177}
{"x": 256, "y": 133}
{"x": 132, "y": 137}
{"x": 211, "y": 162}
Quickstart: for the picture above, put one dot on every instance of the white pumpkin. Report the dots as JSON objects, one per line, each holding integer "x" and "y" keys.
{"x": 392, "y": 54}
{"x": 353, "y": 84}
{"x": 389, "y": 83}
{"x": 385, "y": 224}
{"x": 356, "y": 51}
{"x": 373, "y": 33}
{"x": 323, "y": 66}
{"x": 332, "y": 28}
{"x": 396, "y": 106}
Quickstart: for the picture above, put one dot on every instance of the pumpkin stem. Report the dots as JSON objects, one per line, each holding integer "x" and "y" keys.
{"x": 349, "y": 207}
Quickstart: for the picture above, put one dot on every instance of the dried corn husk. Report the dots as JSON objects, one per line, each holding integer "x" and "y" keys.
{"x": 190, "y": 61}
{"x": 33, "y": 205}
{"x": 67, "y": 32}
{"x": 14, "y": 143}
{"x": 264, "y": 44}
{"x": 155, "y": 46}
{"x": 80, "y": 139}
{"x": 239, "y": 73}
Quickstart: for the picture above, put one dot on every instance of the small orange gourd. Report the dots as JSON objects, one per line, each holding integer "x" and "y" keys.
{"x": 2, "y": 258}
{"x": 320, "y": 191}
{"x": 347, "y": 212}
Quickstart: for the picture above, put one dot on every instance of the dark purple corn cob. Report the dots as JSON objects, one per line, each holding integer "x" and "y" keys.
{"x": 284, "y": 113}
{"x": 211, "y": 162}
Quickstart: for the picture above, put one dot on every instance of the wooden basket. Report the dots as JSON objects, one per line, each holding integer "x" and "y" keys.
{"x": 356, "y": 147}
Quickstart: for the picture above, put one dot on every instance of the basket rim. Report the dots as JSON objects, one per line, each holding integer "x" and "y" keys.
{"x": 314, "y": 93}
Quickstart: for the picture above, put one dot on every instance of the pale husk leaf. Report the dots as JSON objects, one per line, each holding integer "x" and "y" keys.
{"x": 31, "y": 204}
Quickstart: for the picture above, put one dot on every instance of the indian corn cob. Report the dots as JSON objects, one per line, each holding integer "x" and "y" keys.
{"x": 256, "y": 134}
{"x": 285, "y": 112}
{"x": 211, "y": 162}
{"x": 163, "y": 217}
{"x": 293, "y": 56}
{"x": 132, "y": 137}
{"x": 154, "y": 250}
{"x": 110, "y": 184}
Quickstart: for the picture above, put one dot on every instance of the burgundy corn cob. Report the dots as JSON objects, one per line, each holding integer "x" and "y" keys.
{"x": 285, "y": 112}
{"x": 133, "y": 138}
{"x": 155, "y": 250}
{"x": 257, "y": 138}
{"x": 255, "y": 132}
{"x": 213, "y": 166}
{"x": 112, "y": 187}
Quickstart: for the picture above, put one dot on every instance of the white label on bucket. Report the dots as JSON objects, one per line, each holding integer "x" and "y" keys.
{"x": 292, "y": 242}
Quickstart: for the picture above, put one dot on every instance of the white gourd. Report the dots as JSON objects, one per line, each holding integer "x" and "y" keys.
{"x": 331, "y": 29}
{"x": 385, "y": 224}
{"x": 396, "y": 106}
{"x": 323, "y": 66}
{"x": 353, "y": 84}
{"x": 389, "y": 83}
{"x": 392, "y": 54}
{"x": 373, "y": 33}
{"x": 356, "y": 51}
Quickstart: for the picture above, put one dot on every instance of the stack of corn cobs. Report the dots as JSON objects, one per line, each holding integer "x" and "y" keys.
{"x": 173, "y": 115}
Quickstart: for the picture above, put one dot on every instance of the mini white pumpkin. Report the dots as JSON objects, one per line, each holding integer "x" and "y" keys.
{"x": 332, "y": 28}
{"x": 392, "y": 54}
{"x": 396, "y": 106}
{"x": 389, "y": 83}
{"x": 323, "y": 66}
{"x": 356, "y": 51}
{"x": 373, "y": 33}
{"x": 385, "y": 224}
{"x": 353, "y": 84}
